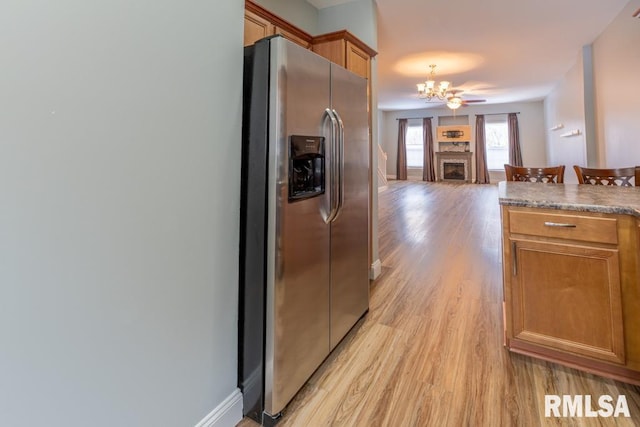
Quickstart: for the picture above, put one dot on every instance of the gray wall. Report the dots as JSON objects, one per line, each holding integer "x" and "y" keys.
{"x": 358, "y": 16}
{"x": 119, "y": 192}
{"x": 299, "y": 12}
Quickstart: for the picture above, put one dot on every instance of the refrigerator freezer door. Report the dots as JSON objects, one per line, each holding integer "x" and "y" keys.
{"x": 350, "y": 229}
{"x": 297, "y": 313}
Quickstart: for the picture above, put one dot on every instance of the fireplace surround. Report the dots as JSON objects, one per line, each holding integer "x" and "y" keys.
{"x": 453, "y": 166}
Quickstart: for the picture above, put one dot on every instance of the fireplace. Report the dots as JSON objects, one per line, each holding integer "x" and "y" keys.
{"x": 453, "y": 170}
{"x": 453, "y": 166}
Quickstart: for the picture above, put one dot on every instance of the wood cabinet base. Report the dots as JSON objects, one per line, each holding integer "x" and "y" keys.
{"x": 571, "y": 289}
{"x": 618, "y": 373}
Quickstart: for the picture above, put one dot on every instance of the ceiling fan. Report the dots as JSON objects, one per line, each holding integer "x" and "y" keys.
{"x": 454, "y": 101}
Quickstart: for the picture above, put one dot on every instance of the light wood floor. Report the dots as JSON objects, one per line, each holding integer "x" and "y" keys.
{"x": 429, "y": 352}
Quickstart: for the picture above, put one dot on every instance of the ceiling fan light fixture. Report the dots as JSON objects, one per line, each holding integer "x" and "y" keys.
{"x": 454, "y": 103}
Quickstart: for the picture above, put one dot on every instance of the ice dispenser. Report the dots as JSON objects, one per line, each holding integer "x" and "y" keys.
{"x": 306, "y": 166}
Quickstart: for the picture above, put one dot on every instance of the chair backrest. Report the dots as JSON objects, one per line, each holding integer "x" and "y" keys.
{"x": 621, "y": 176}
{"x": 554, "y": 174}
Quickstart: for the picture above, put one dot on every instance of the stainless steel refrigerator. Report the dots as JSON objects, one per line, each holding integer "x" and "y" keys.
{"x": 304, "y": 219}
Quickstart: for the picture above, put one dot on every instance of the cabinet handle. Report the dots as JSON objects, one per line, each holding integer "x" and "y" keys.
{"x": 514, "y": 258}
{"x": 559, "y": 224}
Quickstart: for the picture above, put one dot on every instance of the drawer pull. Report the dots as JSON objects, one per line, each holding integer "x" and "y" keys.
{"x": 559, "y": 224}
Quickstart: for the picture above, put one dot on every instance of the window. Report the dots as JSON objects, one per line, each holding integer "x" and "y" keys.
{"x": 497, "y": 142}
{"x": 415, "y": 147}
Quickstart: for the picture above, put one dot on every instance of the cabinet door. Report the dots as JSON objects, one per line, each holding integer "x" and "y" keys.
{"x": 333, "y": 50}
{"x": 358, "y": 61}
{"x": 256, "y": 28}
{"x": 293, "y": 37}
{"x": 567, "y": 297}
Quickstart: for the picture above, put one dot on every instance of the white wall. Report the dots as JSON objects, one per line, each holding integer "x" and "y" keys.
{"x": 616, "y": 63}
{"x": 119, "y": 192}
{"x": 300, "y": 12}
{"x": 530, "y": 121}
{"x": 616, "y": 59}
{"x": 565, "y": 106}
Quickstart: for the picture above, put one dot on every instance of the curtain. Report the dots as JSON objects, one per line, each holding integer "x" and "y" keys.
{"x": 428, "y": 167}
{"x": 482, "y": 173}
{"x": 401, "y": 170}
{"x": 515, "y": 154}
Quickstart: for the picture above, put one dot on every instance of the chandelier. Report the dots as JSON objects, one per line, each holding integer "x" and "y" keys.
{"x": 428, "y": 90}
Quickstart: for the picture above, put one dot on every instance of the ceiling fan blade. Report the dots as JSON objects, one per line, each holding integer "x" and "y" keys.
{"x": 468, "y": 101}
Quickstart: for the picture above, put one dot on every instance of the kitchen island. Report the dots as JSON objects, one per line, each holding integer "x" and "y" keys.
{"x": 571, "y": 274}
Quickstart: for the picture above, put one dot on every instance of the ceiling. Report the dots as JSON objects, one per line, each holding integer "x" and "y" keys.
{"x": 498, "y": 50}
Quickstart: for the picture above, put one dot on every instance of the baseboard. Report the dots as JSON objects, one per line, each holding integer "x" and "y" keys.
{"x": 382, "y": 188}
{"x": 376, "y": 269}
{"x": 226, "y": 414}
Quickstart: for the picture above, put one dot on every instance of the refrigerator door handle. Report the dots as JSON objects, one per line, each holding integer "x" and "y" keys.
{"x": 333, "y": 168}
{"x": 340, "y": 156}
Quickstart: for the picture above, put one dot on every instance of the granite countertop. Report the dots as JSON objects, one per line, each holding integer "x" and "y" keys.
{"x": 583, "y": 198}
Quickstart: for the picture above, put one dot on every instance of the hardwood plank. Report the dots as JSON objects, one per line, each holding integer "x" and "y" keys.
{"x": 430, "y": 351}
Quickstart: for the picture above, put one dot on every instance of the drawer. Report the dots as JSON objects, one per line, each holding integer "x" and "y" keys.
{"x": 574, "y": 227}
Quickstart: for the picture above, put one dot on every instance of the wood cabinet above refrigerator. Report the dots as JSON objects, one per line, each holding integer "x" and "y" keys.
{"x": 260, "y": 23}
{"x": 340, "y": 47}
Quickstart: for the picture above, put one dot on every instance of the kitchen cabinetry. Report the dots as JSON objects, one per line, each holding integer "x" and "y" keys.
{"x": 345, "y": 49}
{"x": 260, "y": 23}
{"x": 340, "y": 47}
{"x": 571, "y": 288}
{"x": 566, "y": 294}
{"x": 256, "y": 27}
{"x": 294, "y": 36}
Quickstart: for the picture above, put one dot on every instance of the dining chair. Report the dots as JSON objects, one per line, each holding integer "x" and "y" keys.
{"x": 621, "y": 176}
{"x": 553, "y": 174}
